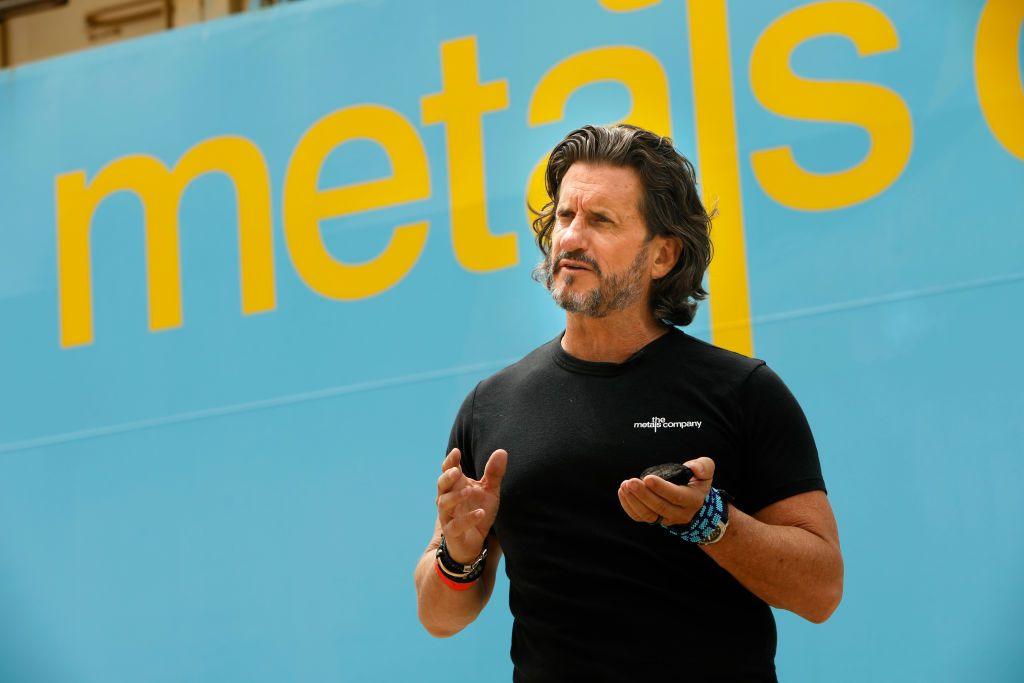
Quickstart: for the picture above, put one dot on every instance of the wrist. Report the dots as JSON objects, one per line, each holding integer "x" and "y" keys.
{"x": 451, "y": 582}
{"x": 709, "y": 523}
{"x": 464, "y": 560}
{"x": 459, "y": 572}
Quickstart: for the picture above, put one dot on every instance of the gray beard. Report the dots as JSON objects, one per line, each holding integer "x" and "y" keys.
{"x": 613, "y": 292}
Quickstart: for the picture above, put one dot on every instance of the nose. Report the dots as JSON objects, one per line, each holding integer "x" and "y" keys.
{"x": 571, "y": 238}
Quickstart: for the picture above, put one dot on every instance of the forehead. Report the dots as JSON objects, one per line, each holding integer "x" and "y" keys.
{"x": 612, "y": 187}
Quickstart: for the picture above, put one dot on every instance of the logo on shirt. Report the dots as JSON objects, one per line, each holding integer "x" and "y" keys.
{"x": 657, "y": 423}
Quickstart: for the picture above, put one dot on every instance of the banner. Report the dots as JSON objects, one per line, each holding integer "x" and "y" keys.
{"x": 250, "y": 268}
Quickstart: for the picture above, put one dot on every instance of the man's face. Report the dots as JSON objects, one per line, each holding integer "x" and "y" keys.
{"x": 599, "y": 261}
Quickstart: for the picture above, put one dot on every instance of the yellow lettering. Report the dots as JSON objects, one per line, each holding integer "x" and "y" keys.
{"x": 160, "y": 192}
{"x": 461, "y": 104}
{"x": 637, "y": 69}
{"x": 877, "y": 109}
{"x": 997, "y": 72}
{"x": 718, "y": 162}
{"x": 627, "y": 5}
{"x": 305, "y": 205}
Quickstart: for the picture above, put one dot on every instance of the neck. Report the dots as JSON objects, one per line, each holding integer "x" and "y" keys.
{"x": 611, "y": 339}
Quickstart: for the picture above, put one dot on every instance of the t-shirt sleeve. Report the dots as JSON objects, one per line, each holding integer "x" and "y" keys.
{"x": 461, "y": 436}
{"x": 780, "y": 458}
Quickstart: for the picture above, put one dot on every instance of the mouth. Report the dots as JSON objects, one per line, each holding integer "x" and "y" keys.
{"x": 572, "y": 266}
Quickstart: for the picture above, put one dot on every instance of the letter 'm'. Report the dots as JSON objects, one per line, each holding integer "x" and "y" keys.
{"x": 160, "y": 192}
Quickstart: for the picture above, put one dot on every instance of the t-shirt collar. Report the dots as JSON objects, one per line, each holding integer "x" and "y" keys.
{"x": 604, "y": 368}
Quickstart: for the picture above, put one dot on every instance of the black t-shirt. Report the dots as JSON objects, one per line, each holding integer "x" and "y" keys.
{"x": 595, "y": 595}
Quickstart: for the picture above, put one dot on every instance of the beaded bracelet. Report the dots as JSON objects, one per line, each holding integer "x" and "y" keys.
{"x": 704, "y": 522}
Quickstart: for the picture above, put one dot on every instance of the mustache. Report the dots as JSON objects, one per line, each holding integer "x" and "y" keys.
{"x": 574, "y": 256}
{"x": 544, "y": 271}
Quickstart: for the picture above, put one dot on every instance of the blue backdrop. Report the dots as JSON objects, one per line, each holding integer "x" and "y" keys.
{"x": 243, "y": 496}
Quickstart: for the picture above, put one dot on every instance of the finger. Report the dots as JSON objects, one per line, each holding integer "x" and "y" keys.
{"x": 683, "y": 496}
{"x": 495, "y": 469}
{"x": 453, "y": 458}
{"x": 644, "y": 512}
{"x": 471, "y": 497}
{"x": 449, "y": 480}
{"x": 630, "y": 507}
{"x": 654, "y": 502}
{"x": 464, "y": 521}
{"x": 447, "y": 504}
{"x": 627, "y": 506}
{"x": 703, "y": 468}
{"x": 460, "y": 501}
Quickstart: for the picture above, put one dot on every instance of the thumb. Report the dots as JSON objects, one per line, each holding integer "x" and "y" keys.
{"x": 495, "y": 469}
{"x": 703, "y": 468}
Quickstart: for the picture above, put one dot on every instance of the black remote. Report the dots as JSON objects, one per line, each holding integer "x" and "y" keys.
{"x": 670, "y": 472}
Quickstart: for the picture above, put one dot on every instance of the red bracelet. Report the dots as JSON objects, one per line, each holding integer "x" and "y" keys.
{"x": 454, "y": 584}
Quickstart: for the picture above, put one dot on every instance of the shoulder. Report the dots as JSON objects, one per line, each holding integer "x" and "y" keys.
{"x": 715, "y": 363}
{"x": 532, "y": 365}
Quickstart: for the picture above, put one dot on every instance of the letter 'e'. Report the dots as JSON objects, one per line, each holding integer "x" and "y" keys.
{"x": 305, "y": 205}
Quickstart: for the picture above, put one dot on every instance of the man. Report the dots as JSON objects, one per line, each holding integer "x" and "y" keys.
{"x": 613, "y": 577}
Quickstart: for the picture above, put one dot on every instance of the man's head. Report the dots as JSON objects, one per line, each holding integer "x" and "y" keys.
{"x": 625, "y": 226}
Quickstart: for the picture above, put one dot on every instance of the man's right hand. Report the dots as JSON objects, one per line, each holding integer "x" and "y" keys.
{"x": 467, "y": 507}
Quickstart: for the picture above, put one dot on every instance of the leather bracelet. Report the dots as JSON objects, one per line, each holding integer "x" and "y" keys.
{"x": 459, "y": 570}
{"x": 460, "y": 577}
{"x": 454, "y": 585}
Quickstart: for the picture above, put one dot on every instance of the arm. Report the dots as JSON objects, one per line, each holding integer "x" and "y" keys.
{"x": 787, "y": 554}
{"x": 443, "y": 611}
{"x": 466, "y": 512}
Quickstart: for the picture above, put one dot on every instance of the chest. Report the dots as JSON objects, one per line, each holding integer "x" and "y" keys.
{"x": 571, "y": 445}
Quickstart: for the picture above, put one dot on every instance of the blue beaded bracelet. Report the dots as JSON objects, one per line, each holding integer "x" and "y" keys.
{"x": 704, "y": 522}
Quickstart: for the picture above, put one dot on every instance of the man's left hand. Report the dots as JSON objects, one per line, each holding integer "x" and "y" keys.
{"x": 644, "y": 500}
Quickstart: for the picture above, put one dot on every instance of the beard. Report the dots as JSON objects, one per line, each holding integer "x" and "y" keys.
{"x": 613, "y": 292}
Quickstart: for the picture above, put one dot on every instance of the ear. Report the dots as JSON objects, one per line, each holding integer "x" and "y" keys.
{"x": 667, "y": 249}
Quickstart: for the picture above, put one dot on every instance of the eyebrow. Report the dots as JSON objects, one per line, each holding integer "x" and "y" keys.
{"x": 599, "y": 213}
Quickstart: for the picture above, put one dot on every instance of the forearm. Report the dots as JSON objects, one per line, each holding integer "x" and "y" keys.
{"x": 786, "y": 566}
{"x": 444, "y": 611}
